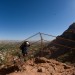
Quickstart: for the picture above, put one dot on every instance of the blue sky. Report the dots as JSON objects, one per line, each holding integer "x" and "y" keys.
{"x": 20, "y": 19}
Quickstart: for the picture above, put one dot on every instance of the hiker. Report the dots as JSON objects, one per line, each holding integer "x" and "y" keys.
{"x": 24, "y": 47}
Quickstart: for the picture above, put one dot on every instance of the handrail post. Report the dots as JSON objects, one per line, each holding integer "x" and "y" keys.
{"x": 41, "y": 43}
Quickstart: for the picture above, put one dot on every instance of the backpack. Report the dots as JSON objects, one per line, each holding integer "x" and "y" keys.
{"x": 22, "y": 47}
{"x": 24, "y": 44}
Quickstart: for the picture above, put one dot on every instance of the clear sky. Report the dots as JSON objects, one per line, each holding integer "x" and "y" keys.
{"x": 20, "y": 19}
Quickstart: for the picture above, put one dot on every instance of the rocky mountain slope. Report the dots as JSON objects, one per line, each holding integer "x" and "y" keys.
{"x": 63, "y": 43}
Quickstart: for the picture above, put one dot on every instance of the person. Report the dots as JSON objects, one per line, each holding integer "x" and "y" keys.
{"x": 24, "y": 47}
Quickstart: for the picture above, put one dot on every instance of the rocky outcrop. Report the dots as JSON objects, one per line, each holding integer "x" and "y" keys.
{"x": 46, "y": 67}
{"x": 64, "y": 43}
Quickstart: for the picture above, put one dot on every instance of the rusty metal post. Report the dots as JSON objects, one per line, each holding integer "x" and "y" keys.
{"x": 41, "y": 43}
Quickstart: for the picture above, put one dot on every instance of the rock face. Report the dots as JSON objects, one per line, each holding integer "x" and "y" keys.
{"x": 64, "y": 43}
{"x": 47, "y": 67}
{"x": 69, "y": 33}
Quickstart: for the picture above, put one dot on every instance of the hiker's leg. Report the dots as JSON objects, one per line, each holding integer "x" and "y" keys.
{"x": 23, "y": 53}
{"x": 25, "y": 50}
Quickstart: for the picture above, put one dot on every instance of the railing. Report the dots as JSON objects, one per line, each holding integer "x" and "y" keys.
{"x": 40, "y": 43}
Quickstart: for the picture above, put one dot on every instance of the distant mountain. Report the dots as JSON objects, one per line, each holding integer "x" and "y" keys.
{"x": 9, "y": 41}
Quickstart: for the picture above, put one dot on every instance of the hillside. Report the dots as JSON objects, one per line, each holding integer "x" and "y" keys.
{"x": 64, "y": 45}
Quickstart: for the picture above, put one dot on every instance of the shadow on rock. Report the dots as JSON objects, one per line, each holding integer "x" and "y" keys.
{"x": 5, "y": 71}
